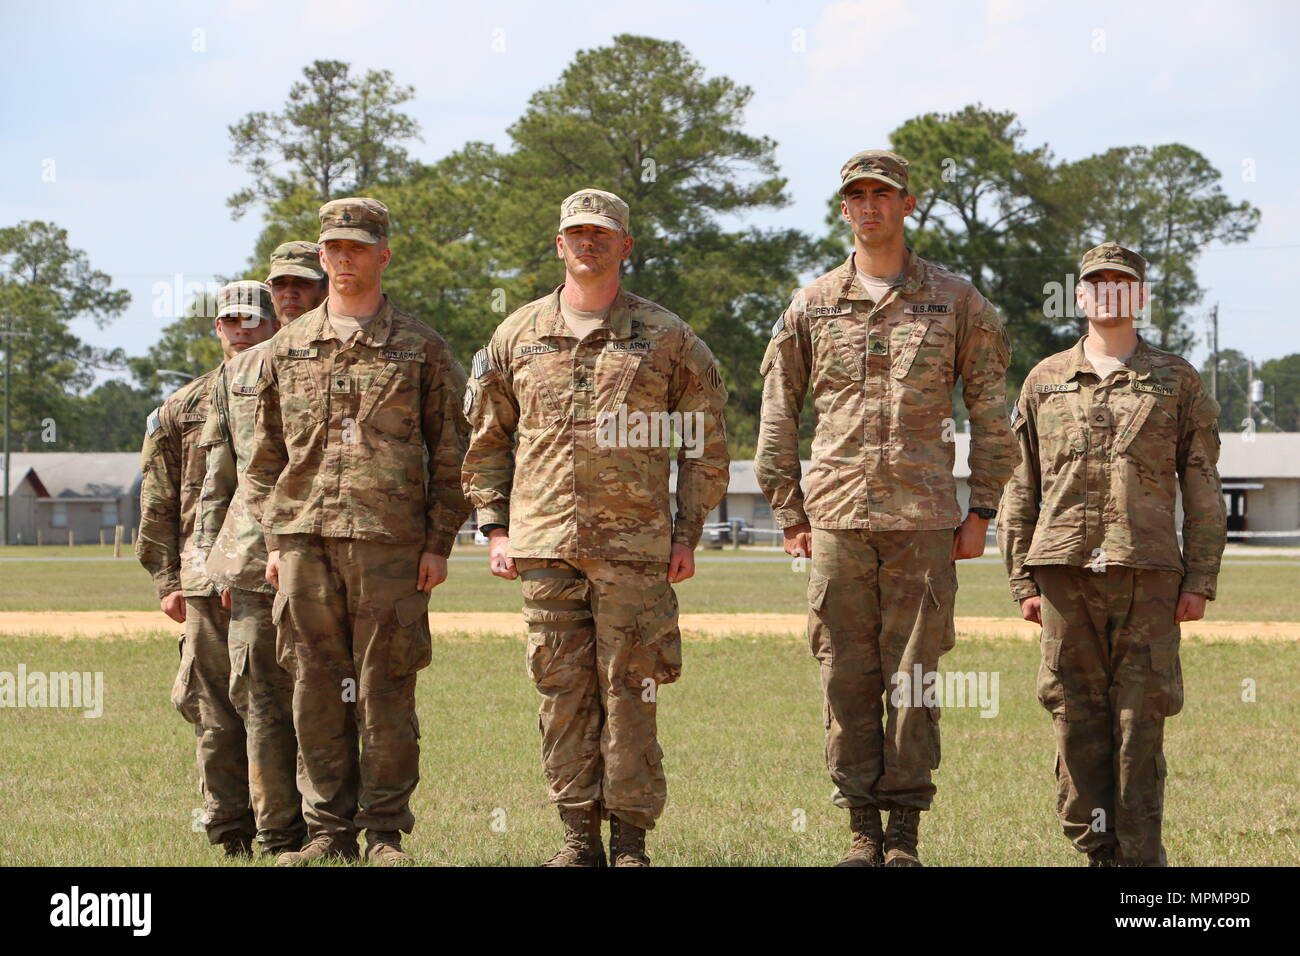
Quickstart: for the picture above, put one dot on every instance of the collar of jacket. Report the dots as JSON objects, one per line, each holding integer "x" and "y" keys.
{"x": 912, "y": 281}
{"x": 1139, "y": 361}
{"x": 550, "y": 321}
{"x": 374, "y": 333}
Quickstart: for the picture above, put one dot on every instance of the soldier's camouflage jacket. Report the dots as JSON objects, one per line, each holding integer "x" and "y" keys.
{"x": 1101, "y": 463}
{"x": 339, "y": 449}
{"x": 225, "y": 530}
{"x": 172, "y": 465}
{"x": 547, "y": 456}
{"x": 882, "y": 376}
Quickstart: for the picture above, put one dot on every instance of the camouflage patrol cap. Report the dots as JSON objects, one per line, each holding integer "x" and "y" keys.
{"x": 1111, "y": 255}
{"x": 245, "y": 298}
{"x": 594, "y": 206}
{"x": 878, "y": 164}
{"x": 356, "y": 218}
{"x": 297, "y": 258}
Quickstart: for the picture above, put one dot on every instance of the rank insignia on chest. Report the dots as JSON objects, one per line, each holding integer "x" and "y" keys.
{"x": 340, "y": 384}
{"x": 1155, "y": 388}
{"x": 928, "y": 308}
{"x": 1057, "y": 387}
{"x": 301, "y": 353}
{"x": 628, "y": 345}
{"x": 537, "y": 348}
{"x": 815, "y": 311}
{"x": 402, "y": 355}
{"x": 876, "y": 344}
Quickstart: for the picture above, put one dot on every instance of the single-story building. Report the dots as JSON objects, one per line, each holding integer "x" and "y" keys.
{"x": 84, "y": 493}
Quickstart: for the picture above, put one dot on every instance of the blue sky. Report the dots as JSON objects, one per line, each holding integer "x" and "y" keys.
{"x": 133, "y": 117}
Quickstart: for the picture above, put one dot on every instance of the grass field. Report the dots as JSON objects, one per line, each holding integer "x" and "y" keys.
{"x": 742, "y": 732}
{"x": 743, "y": 737}
{"x": 725, "y": 582}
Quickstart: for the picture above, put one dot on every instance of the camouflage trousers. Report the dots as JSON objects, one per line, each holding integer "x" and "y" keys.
{"x": 602, "y": 639}
{"x": 880, "y": 603}
{"x": 354, "y": 631}
{"x": 262, "y": 693}
{"x": 201, "y": 693}
{"x": 1109, "y": 676}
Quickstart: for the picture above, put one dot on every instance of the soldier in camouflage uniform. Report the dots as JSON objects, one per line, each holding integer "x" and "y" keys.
{"x": 354, "y": 476}
{"x": 173, "y": 464}
{"x": 260, "y": 689}
{"x": 882, "y": 340}
{"x": 578, "y": 506}
{"x": 1109, "y": 430}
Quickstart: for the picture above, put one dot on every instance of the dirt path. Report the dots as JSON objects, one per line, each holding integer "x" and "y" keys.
{"x": 142, "y": 625}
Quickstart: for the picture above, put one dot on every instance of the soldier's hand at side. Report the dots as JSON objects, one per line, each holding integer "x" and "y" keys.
{"x": 273, "y": 569}
{"x": 433, "y": 571}
{"x": 681, "y": 563}
{"x": 797, "y": 540}
{"x": 1191, "y": 607}
{"x": 225, "y": 598}
{"x": 173, "y": 605}
{"x": 968, "y": 540}
{"x": 499, "y": 560}
{"x": 1031, "y": 609}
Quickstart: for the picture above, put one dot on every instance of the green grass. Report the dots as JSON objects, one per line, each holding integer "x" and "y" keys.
{"x": 1249, "y": 592}
{"x": 743, "y": 737}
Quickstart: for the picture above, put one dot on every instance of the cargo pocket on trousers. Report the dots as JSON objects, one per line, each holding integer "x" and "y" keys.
{"x": 935, "y": 751}
{"x": 1051, "y": 692}
{"x": 183, "y": 698}
{"x": 943, "y": 596}
{"x": 284, "y": 653}
{"x": 1165, "y": 696}
{"x": 819, "y": 635}
{"x": 412, "y": 647}
{"x": 656, "y": 657}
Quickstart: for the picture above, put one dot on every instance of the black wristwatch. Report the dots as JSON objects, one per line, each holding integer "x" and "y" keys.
{"x": 988, "y": 514}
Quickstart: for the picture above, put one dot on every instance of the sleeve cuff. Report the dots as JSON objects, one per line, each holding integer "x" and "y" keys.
{"x": 167, "y": 582}
{"x": 1023, "y": 588}
{"x": 688, "y": 533}
{"x": 496, "y": 513}
{"x": 439, "y": 542}
{"x": 789, "y": 517}
{"x": 981, "y": 498}
{"x": 272, "y": 541}
{"x": 1200, "y": 582}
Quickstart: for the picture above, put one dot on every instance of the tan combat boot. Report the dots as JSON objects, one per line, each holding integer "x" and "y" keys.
{"x": 868, "y": 838}
{"x": 582, "y": 846}
{"x": 626, "y": 844}
{"x": 900, "y": 838}
{"x": 384, "y": 848}
{"x": 323, "y": 847}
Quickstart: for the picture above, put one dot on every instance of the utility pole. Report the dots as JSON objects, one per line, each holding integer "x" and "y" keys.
{"x": 1214, "y": 352}
{"x": 8, "y": 367}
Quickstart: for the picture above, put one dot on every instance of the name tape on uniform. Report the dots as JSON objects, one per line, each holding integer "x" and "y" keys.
{"x": 301, "y": 353}
{"x": 537, "y": 349}
{"x": 193, "y": 417}
{"x": 403, "y": 355}
{"x": 815, "y": 311}
{"x": 629, "y": 345}
{"x": 1057, "y": 387}
{"x": 239, "y": 388}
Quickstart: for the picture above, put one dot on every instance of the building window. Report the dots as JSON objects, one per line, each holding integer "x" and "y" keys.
{"x": 108, "y": 516}
{"x": 761, "y": 508}
{"x": 59, "y": 515}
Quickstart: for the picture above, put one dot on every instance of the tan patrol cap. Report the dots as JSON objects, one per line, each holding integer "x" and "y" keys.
{"x": 1111, "y": 255}
{"x": 594, "y": 206}
{"x": 878, "y": 164}
{"x": 245, "y": 297}
{"x": 356, "y": 218}
{"x": 296, "y": 258}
